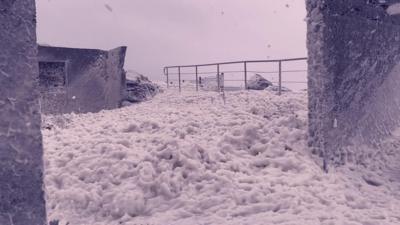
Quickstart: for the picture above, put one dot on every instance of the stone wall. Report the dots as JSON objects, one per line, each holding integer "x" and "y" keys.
{"x": 21, "y": 164}
{"x": 95, "y": 80}
{"x": 354, "y": 76}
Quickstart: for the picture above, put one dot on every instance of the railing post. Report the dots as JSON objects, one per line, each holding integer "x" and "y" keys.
{"x": 245, "y": 75}
{"x": 166, "y": 73}
{"x": 280, "y": 78}
{"x": 179, "y": 77}
{"x": 218, "y": 81}
{"x": 197, "y": 79}
{"x": 222, "y": 85}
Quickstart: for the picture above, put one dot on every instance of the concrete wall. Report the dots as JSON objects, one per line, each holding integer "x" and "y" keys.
{"x": 94, "y": 80}
{"x": 21, "y": 165}
{"x": 354, "y": 76}
{"x": 115, "y": 65}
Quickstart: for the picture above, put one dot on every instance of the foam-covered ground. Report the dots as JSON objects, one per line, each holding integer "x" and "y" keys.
{"x": 191, "y": 159}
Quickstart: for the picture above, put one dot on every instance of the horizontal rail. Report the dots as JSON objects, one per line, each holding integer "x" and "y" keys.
{"x": 237, "y": 62}
{"x": 285, "y": 71}
{"x": 241, "y": 71}
{"x": 284, "y": 81}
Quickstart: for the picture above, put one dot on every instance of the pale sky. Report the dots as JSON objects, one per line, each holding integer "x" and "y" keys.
{"x": 177, "y": 32}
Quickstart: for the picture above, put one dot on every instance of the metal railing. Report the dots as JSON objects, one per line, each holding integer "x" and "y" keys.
{"x": 218, "y": 71}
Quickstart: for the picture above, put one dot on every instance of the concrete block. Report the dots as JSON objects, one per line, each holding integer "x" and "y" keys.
{"x": 93, "y": 79}
{"x": 21, "y": 164}
{"x": 354, "y": 75}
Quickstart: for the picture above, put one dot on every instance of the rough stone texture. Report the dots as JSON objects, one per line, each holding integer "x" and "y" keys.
{"x": 139, "y": 89}
{"x": 94, "y": 79}
{"x": 21, "y": 164}
{"x": 354, "y": 75}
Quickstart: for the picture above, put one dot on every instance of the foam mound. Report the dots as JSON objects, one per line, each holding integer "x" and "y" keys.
{"x": 193, "y": 159}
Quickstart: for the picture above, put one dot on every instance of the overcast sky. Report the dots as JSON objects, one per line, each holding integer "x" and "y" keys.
{"x": 176, "y": 32}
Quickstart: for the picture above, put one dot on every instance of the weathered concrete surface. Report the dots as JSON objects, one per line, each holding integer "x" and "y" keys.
{"x": 116, "y": 84}
{"x": 94, "y": 79}
{"x": 354, "y": 76}
{"x": 21, "y": 166}
{"x": 53, "y": 86}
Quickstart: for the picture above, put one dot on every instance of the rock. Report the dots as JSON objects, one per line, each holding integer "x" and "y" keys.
{"x": 257, "y": 82}
{"x": 139, "y": 88}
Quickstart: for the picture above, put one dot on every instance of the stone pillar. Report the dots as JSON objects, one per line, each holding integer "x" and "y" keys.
{"x": 21, "y": 164}
{"x": 354, "y": 76}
